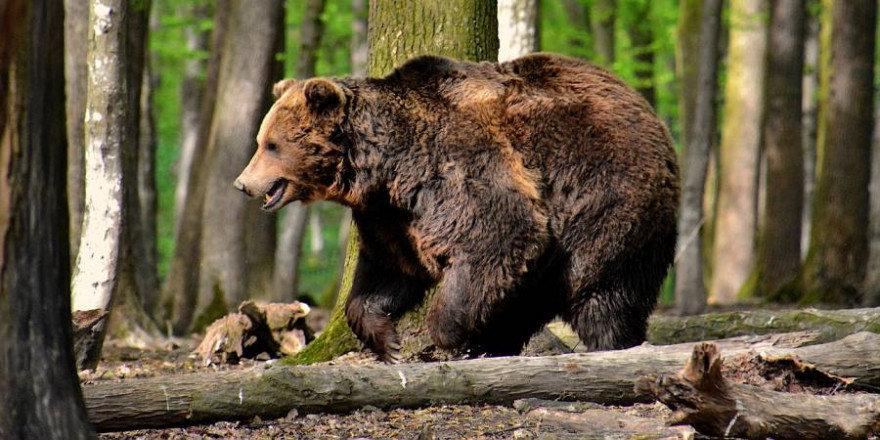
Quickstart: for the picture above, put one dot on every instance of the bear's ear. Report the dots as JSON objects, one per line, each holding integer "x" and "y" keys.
{"x": 282, "y": 86}
{"x": 323, "y": 95}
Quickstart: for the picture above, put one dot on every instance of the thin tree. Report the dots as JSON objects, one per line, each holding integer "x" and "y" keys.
{"x": 834, "y": 270}
{"x": 690, "y": 289}
{"x": 602, "y": 15}
{"x": 293, "y": 227}
{"x": 98, "y": 270}
{"x": 779, "y": 240}
{"x": 191, "y": 92}
{"x": 41, "y": 397}
{"x": 641, "y": 36}
{"x": 810, "y": 107}
{"x": 76, "y": 22}
{"x": 398, "y": 32}
{"x": 737, "y": 203}
{"x": 242, "y": 98}
{"x": 517, "y": 28}
{"x": 687, "y": 52}
{"x": 180, "y": 290}
{"x": 872, "y": 279}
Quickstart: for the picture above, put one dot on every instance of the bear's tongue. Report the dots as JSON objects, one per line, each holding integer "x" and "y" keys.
{"x": 273, "y": 196}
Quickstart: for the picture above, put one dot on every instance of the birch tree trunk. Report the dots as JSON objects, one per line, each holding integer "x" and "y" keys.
{"x": 690, "y": 289}
{"x": 737, "y": 203}
{"x": 835, "y": 267}
{"x": 98, "y": 269}
{"x": 76, "y": 22}
{"x": 779, "y": 241}
{"x": 180, "y": 291}
{"x": 872, "y": 280}
{"x": 41, "y": 396}
{"x": 293, "y": 228}
{"x": 242, "y": 97}
{"x": 398, "y": 32}
{"x": 517, "y": 28}
{"x": 602, "y": 27}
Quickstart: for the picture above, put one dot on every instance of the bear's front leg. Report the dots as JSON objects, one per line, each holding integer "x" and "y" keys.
{"x": 381, "y": 293}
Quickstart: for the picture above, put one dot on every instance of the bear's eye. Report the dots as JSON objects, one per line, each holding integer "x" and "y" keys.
{"x": 271, "y": 147}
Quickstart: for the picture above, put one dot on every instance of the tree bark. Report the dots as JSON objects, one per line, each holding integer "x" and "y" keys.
{"x": 829, "y": 325}
{"x": 779, "y": 241}
{"x": 687, "y": 51}
{"x": 98, "y": 267}
{"x": 288, "y": 255}
{"x": 517, "y": 28}
{"x": 601, "y": 377}
{"x": 872, "y": 280}
{"x": 463, "y": 29}
{"x": 701, "y": 397}
{"x": 242, "y": 97}
{"x": 690, "y": 289}
{"x": 192, "y": 95}
{"x": 76, "y": 22}
{"x": 180, "y": 291}
{"x": 737, "y": 203}
{"x": 41, "y": 397}
{"x": 835, "y": 267}
{"x": 810, "y": 115}
{"x": 602, "y": 27}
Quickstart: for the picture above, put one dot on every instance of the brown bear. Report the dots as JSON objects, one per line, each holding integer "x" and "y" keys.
{"x": 529, "y": 189}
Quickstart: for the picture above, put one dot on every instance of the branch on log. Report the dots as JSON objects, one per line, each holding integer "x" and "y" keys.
{"x": 701, "y": 397}
{"x": 832, "y": 324}
{"x": 273, "y": 390}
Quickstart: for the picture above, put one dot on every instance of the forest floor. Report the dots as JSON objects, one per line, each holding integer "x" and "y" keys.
{"x": 122, "y": 363}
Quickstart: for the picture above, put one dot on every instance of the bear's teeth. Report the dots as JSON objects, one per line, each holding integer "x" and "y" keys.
{"x": 268, "y": 198}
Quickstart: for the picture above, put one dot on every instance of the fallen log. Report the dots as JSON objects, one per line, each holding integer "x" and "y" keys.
{"x": 832, "y": 324}
{"x": 701, "y": 397}
{"x": 274, "y": 389}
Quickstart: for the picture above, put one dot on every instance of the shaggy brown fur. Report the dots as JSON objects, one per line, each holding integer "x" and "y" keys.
{"x": 529, "y": 189}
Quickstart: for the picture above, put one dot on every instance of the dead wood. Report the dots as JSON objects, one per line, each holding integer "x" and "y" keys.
{"x": 700, "y": 396}
{"x": 274, "y": 389}
{"x": 832, "y": 324}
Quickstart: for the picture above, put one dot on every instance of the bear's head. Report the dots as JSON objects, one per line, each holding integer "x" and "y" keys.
{"x": 299, "y": 146}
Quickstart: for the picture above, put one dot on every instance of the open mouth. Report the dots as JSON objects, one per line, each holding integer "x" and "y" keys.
{"x": 275, "y": 194}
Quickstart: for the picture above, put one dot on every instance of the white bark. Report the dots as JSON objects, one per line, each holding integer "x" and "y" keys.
{"x": 810, "y": 108}
{"x": 517, "y": 28}
{"x": 317, "y": 238}
{"x": 289, "y": 253}
{"x": 97, "y": 264}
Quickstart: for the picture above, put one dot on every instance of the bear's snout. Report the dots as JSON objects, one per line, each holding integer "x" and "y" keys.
{"x": 239, "y": 185}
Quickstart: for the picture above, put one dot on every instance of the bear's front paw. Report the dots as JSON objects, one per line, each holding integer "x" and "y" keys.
{"x": 447, "y": 329}
{"x": 381, "y": 337}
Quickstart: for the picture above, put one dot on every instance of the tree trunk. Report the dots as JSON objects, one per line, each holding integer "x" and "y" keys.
{"x": 872, "y": 280}
{"x": 737, "y": 203}
{"x": 397, "y": 32}
{"x": 779, "y": 241}
{"x": 293, "y": 228}
{"x": 317, "y": 236}
{"x": 517, "y": 28}
{"x": 41, "y": 397}
{"x": 701, "y": 397}
{"x": 642, "y": 39}
{"x": 602, "y": 27}
{"x": 687, "y": 51}
{"x": 835, "y": 267}
{"x": 288, "y": 254}
{"x": 242, "y": 98}
{"x": 76, "y": 22}
{"x": 192, "y": 93}
{"x": 107, "y": 131}
{"x": 810, "y": 107}
{"x": 690, "y": 289}
{"x": 180, "y": 292}
{"x": 828, "y": 325}
{"x": 601, "y": 377}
